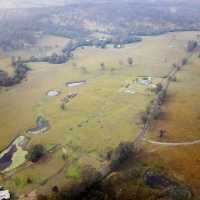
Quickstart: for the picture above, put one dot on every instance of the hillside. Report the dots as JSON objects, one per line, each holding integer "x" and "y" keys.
{"x": 82, "y": 20}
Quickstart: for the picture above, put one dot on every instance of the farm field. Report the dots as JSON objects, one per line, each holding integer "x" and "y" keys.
{"x": 104, "y": 111}
{"x": 45, "y": 46}
{"x": 180, "y": 145}
{"x": 6, "y": 64}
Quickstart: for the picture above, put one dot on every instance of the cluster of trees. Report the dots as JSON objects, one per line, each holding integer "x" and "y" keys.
{"x": 53, "y": 59}
{"x": 67, "y": 51}
{"x": 153, "y": 111}
{"x": 19, "y": 29}
{"x": 192, "y": 45}
{"x": 21, "y": 67}
{"x": 125, "y": 39}
{"x": 121, "y": 154}
{"x": 56, "y": 59}
{"x": 14, "y": 37}
{"x": 158, "y": 88}
{"x": 22, "y": 29}
{"x": 21, "y": 70}
{"x": 36, "y": 153}
{"x": 117, "y": 41}
{"x": 91, "y": 179}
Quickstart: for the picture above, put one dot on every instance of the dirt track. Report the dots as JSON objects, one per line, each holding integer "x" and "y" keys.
{"x": 172, "y": 143}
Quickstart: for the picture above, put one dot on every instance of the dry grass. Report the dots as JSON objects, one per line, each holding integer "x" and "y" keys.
{"x": 100, "y": 117}
{"x": 181, "y": 121}
{"x": 5, "y": 64}
{"x": 44, "y": 47}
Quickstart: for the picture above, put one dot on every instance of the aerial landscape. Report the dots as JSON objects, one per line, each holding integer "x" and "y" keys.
{"x": 100, "y": 100}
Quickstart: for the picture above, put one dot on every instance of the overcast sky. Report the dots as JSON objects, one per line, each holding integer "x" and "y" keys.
{"x": 39, "y": 3}
{"x": 28, "y": 3}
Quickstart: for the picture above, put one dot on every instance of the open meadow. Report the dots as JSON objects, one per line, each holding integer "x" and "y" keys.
{"x": 45, "y": 46}
{"x": 101, "y": 112}
{"x": 177, "y": 150}
{"x": 6, "y": 64}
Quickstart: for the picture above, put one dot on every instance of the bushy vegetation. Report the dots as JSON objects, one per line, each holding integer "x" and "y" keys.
{"x": 121, "y": 154}
{"x": 73, "y": 172}
{"x": 192, "y": 45}
{"x": 21, "y": 70}
{"x": 122, "y": 21}
{"x": 36, "y": 153}
{"x": 159, "y": 88}
{"x": 184, "y": 61}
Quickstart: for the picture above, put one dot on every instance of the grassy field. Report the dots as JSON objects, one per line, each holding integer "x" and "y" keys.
{"x": 101, "y": 115}
{"x": 5, "y": 64}
{"x": 44, "y": 47}
{"x": 181, "y": 121}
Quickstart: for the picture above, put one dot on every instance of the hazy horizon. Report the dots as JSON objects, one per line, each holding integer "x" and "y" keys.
{"x": 4, "y": 4}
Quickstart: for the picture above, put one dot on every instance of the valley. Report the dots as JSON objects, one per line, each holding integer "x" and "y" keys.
{"x": 105, "y": 111}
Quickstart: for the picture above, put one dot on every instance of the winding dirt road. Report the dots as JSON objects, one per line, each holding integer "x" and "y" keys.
{"x": 172, "y": 143}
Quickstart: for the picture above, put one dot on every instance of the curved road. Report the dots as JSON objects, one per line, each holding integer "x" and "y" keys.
{"x": 172, "y": 143}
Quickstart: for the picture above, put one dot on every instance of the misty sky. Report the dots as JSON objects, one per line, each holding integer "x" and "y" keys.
{"x": 28, "y": 3}
{"x": 40, "y": 3}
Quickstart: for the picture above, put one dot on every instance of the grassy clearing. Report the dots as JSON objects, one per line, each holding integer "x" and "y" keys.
{"x": 20, "y": 182}
{"x": 181, "y": 121}
{"x": 73, "y": 172}
{"x": 5, "y": 64}
{"x": 44, "y": 47}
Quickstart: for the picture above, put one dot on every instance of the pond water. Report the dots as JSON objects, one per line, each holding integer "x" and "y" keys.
{"x": 6, "y": 159}
{"x": 53, "y": 93}
{"x": 15, "y": 150}
{"x": 75, "y": 84}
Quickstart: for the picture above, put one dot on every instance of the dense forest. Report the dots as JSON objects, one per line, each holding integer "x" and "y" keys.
{"x": 21, "y": 28}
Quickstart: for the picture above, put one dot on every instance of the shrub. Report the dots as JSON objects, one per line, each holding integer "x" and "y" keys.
{"x": 36, "y": 152}
{"x": 108, "y": 155}
{"x": 121, "y": 154}
{"x": 55, "y": 189}
{"x": 191, "y": 46}
{"x": 184, "y": 61}
{"x": 130, "y": 61}
{"x": 90, "y": 175}
{"x": 156, "y": 113}
{"x": 162, "y": 96}
{"x": 42, "y": 197}
{"x": 159, "y": 87}
{"x": 144, "y": 117}
{"x": 172, "y": 78}
{"x": 29, "y": 180}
